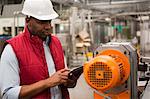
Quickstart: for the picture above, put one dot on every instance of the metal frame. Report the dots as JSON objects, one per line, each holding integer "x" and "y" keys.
{"x": 131, "y": 53}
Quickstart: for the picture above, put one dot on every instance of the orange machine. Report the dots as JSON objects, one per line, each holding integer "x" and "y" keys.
{"x": 108, "y": 73}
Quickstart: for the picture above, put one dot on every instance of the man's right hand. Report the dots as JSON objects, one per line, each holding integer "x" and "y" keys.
{"x": 60, "y": 77}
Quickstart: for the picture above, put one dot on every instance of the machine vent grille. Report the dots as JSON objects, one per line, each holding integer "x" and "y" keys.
{"x": 99, "y": 74}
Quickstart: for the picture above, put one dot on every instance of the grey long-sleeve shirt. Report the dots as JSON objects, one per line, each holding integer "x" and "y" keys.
{"x": 9, "y": 74}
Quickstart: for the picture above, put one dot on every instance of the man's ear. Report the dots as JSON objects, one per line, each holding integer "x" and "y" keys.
{"x": 27, "y": 19}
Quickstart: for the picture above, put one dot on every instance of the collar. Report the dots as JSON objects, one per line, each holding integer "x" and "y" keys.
{"x": 32, "y": 38}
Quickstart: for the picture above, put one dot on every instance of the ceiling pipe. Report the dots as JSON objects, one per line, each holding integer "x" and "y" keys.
{"x": 117, "y": 4}
{"x": 133, "y": 13}
{"x": 120, "y": 15}
{"x": 79, "y": 5}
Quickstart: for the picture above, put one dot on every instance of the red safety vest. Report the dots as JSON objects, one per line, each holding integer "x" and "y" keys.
{"x": 32, "y": 63}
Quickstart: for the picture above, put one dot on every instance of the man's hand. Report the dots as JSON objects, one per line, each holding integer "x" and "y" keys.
{"x": 70, "y": 83}
{"x": 60, "y": 77}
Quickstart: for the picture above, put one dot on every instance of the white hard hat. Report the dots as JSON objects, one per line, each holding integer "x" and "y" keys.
{"x": 39, "y": 9}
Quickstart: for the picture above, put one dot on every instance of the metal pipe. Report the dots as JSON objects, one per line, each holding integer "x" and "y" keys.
{"x": 79, "y": 5}
{"x": 117, "y": 4}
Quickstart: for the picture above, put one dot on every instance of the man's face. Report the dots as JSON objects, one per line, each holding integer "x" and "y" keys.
{"x": 40, "y": 28}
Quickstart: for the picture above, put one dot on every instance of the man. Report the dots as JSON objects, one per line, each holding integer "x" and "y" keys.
{"x": 32, "y": 63}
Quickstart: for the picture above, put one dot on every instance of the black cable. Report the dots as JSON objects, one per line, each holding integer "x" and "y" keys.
{"x": 2, "y": 10}
{"x": 110, "y": 1}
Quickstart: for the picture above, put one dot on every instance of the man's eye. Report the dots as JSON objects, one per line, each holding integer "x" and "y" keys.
{"x": 44, "y": 22}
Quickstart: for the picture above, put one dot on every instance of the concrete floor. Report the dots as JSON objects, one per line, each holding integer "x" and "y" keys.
{"x": 82, "y": 90}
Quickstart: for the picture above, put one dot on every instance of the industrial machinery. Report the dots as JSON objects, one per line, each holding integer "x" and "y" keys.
{"x": 112, "y": 73}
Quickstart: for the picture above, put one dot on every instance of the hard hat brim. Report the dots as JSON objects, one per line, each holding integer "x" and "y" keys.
{"x": 43, "y": 17}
